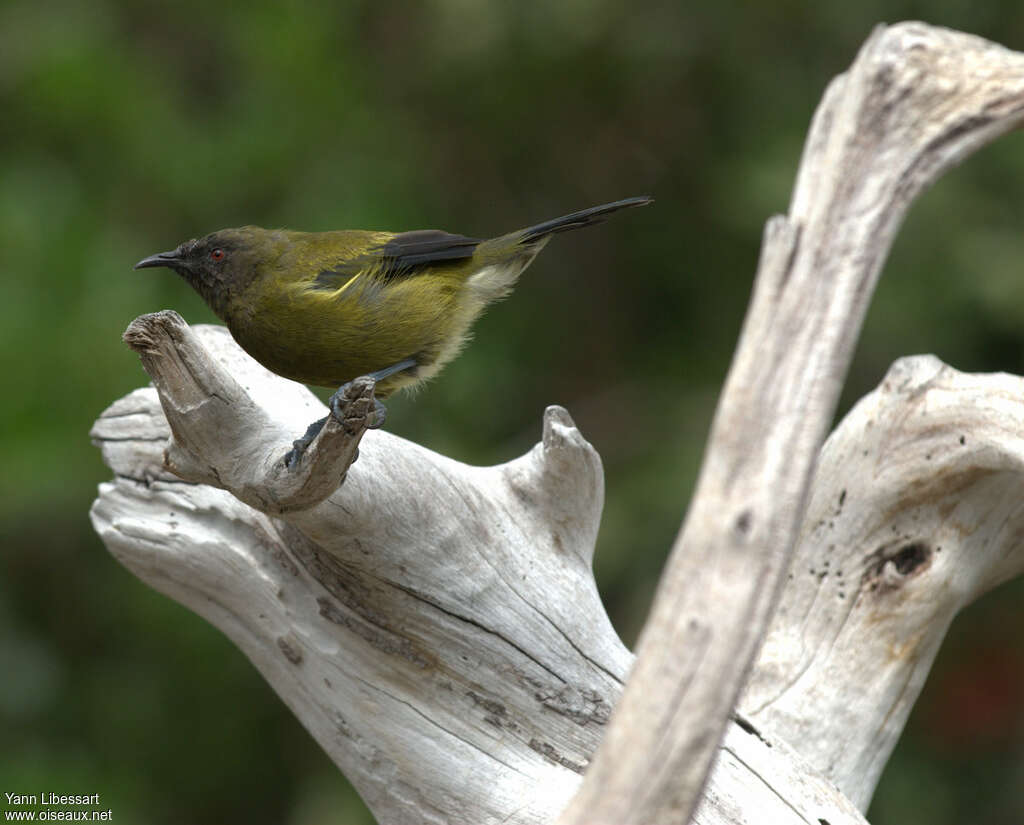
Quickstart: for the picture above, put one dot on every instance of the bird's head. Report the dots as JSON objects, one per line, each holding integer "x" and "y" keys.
{"x": 220, "y": 265}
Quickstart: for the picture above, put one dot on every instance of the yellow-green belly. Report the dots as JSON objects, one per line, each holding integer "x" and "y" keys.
{"x": 320, "y": 338}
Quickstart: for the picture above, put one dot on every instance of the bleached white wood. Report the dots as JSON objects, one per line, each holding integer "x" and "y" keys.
{"x": 916, "y": 100}
{"x": 436, "y": 626}
{"x": 916, "y": 511}
{"x": 200, "y": 397}
{"x": 353, "y": 651}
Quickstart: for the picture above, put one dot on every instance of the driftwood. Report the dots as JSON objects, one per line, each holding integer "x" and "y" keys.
{"x": 436, "y": 626}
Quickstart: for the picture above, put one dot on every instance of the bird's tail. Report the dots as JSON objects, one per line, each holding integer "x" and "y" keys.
{"x": 504, "y": 258}
{"x": 575, "y": 220}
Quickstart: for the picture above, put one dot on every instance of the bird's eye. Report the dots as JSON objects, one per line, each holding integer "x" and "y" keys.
{"x": 217, "y": 254}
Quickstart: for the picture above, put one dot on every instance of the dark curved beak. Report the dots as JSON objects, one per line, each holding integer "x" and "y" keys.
{"x": 171, "y": 260}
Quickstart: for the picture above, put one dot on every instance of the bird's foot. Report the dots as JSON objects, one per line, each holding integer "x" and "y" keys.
{"x": 340, "y": 410}
{"x": 350, "y": 406}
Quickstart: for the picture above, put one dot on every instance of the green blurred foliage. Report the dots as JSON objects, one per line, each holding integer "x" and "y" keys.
{"x": 129, "y": 126}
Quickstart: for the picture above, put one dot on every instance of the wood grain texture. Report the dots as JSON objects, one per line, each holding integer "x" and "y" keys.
{"x": 916, "y": 101}
{"x": 436, "y": 626}
{"x": 915, "y": 512}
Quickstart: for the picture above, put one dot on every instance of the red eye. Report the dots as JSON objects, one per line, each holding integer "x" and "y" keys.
{"x": 217, "y": 254}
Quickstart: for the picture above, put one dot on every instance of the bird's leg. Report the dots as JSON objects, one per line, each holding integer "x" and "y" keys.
{"x": 336, "y": 403}
{"x": 300, "y": 445}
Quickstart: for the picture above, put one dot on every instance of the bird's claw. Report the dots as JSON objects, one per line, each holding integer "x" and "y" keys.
{"x": 347, "y": 411}
{"x": 380, "y": 415}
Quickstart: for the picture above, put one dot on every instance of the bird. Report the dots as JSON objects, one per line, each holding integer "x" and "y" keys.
{"x": 324, "y": 308}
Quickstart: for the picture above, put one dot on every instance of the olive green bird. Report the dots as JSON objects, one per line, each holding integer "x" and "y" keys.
{"x": 326, "y": 307}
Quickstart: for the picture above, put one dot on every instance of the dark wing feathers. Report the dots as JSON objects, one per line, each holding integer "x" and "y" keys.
{"x": 405, "y": 254}
{"x": 411, "y": 252}
{"x": 422, "y": 247}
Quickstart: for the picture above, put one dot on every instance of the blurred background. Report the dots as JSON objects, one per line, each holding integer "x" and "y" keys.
{"x": 128, "y": 127}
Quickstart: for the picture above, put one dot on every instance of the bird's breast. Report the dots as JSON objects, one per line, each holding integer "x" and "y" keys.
{"x": 328, "y": 337}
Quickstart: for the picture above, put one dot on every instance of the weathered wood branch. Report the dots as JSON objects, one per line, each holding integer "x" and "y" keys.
{"x": 934, "y": 518}
{"x": 916, "y": 101}
{"x": 200, "y": 396}
{"x": 436, "y": 626}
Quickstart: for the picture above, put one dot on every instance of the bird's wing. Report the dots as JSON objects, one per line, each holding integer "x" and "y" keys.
{"x": 409, "y": 251}
{"x": 402, "y": 255}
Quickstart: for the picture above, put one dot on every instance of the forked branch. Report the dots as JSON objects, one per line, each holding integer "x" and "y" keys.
{"x": 916, "y": 101}
{"x": 437, "y": 627}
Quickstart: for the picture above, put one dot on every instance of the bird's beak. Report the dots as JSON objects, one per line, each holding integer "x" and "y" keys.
{"x": 172, "y": 260}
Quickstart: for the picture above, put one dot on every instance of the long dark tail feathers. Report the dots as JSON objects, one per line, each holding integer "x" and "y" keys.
{"x": 508, "y": 255}
{"x": 585, "y": 217}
